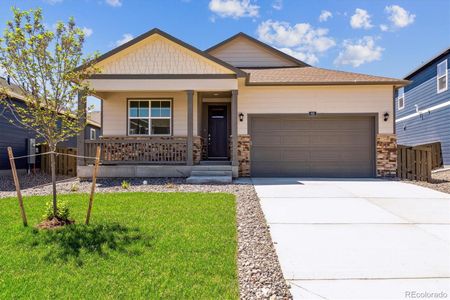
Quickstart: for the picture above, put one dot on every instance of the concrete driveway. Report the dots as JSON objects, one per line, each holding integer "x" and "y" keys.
{"x": 358, "y": 239}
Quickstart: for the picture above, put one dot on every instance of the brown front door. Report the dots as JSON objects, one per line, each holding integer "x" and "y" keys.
{"x": 217, "y": 131}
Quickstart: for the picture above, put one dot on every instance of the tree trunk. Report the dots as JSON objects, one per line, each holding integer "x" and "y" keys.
{"x": 53, "y": 168}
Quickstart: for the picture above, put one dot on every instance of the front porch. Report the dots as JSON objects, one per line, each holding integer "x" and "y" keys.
{"x": 203, "y": 127}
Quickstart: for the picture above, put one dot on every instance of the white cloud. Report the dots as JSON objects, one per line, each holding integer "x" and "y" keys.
{"x": 308, "y": 58}
{"x": 360, "y": 52}
{"x": 125, "y": 38}
{"x": 52, "y": 2}
{"x": 277, "y": 4}
{"x": 399, "y": 16}
{"x": 325, "y": 15}
{"x": 87, "y": 31}
{"x": 384, "y": 27}
{"x": 302, "y": 39}
{"x": 114, "y": 3}
{"x": 234, "y": 8}
{"x": 361, "y": 19}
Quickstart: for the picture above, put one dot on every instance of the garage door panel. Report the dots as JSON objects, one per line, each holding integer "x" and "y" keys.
{"x": 295, "y": 124}
{"x": 340, "y": 139}
{"x": 338, "y": 124}
{"x": 266, "y": 124}
{"x": 312, "y": 147}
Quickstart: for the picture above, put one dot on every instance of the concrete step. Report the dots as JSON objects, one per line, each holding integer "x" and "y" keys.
{"x": 215, "y": 162}
{"x": 211, "y": 173}
{"x": 211, "y": 168}
{"x": 209, "y": 179}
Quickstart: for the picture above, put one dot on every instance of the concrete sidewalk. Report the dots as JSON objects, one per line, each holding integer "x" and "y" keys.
{"x": 358, "y": 239}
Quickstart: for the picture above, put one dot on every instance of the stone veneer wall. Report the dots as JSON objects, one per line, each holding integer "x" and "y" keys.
{"x": 198, "y": 149}
{"x": 123, "y": 151}
{"x": 244, "y": 142}
{"x": 386, "y": 155}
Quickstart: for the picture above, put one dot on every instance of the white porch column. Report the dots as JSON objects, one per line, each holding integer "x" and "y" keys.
{"x": 80, "y": 138}
{"x": 190, "y": 128}
{"x": 234, "y": 131}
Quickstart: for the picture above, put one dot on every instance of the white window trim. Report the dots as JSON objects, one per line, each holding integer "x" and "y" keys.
{"x": 92, "y": 134}
{"x": 439, "y": 77}
{"x": 149, "y": 118}
{"x": 398, "y": 99}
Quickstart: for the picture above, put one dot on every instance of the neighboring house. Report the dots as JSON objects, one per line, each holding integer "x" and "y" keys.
{"x": 170, "y": 109}
{"x": 423, "y": 107}
{"x": 17, "y": 137}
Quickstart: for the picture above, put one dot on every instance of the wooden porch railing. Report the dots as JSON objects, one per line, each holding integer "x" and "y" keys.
{"x": 133, "y": 151}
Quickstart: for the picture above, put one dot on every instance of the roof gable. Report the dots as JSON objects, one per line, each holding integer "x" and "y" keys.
{"x": 244, "y": 51}
{"x": 156, "y": 52}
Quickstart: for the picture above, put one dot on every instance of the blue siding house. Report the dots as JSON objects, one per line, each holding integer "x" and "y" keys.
{"x": 16, "y": 137}
{"x": 423, "y": 107}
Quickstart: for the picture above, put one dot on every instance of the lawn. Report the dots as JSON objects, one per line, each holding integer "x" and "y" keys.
{"x": 139, "y": 245}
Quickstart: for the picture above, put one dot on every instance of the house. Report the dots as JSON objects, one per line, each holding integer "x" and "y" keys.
{"x": 170, "y": 109}
{"x": 17, "y": 137}
{"x": 423, "y": 107}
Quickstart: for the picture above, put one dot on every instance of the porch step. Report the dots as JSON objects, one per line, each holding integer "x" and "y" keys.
{"x": 215, "y": 162}
{"x": 211, "y": 173}
{"x": 209, "y": 179}
{"x": 211, "y": 168}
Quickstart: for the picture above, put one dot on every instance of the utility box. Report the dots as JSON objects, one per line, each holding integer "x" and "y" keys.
{"x": 31, "y": 150}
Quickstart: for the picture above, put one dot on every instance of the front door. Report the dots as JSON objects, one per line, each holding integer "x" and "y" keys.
{"x": 217, "y": 131}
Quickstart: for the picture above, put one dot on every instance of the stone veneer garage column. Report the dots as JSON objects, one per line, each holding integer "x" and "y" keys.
{"x": 386, "y": 155}
{"x": 243, "y": 151}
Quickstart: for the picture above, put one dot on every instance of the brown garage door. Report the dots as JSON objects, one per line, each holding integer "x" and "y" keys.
{"x": 299, "y": 145}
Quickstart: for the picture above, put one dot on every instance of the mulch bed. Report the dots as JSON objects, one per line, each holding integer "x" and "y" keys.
{"x": 54, "y": 223}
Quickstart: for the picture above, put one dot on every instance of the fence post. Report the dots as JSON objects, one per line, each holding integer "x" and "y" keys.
{"x": 17, "y": 184}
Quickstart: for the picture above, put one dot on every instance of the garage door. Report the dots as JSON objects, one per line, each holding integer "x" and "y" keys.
{"x": 299, "y": 145}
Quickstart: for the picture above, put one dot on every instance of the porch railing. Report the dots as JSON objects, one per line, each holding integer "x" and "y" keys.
{"x": 129, "y": 151}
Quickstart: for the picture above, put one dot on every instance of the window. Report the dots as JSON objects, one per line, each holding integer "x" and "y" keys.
{"x": 401, "y": 98}
{"x": 92, "y": 134}
{"x": 442, "y": 77}
{"x": 150, "y": 117}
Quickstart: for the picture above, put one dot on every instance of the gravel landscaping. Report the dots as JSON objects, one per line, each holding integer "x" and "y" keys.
{"x": 440, "y": 181}
{"x": 260, "y": 275}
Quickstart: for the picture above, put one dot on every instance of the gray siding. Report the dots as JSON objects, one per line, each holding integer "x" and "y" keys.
{"x": 429, "y": 127}
{"x": 16, "y": 137}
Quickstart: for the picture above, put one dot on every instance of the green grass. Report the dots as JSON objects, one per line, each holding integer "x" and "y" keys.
{"x": 139, "y": 245}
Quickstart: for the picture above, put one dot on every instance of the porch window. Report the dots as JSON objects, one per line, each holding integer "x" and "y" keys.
{"x": 150, "y": 117}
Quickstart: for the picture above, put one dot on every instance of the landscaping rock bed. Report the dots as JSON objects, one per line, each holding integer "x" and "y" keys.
{"x": 260, "y": 275}
{"x": 440, "y": 181}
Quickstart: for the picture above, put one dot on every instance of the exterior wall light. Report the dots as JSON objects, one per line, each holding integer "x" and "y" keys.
{"x": 241, "y": 117}
{"x": 386, "y": 116}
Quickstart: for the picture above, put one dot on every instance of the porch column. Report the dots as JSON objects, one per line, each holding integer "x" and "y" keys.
{"x": 81, "y": 137}
{"x": 234, "y": 131}
{"x": 190, "y": 128}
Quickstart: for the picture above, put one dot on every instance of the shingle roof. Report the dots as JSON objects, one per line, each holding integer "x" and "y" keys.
{"x": 313, "y": 76}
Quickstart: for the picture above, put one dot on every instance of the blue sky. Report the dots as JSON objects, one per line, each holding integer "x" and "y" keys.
{"x": 380, "y": 37}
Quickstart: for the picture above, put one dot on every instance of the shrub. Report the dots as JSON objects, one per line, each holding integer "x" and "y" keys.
{"x": 74, "y": 187}
{"x": 125, "y": 185}
{"x": 62, "y": 211}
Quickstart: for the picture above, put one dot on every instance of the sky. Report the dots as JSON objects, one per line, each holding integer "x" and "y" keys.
{"x": 378, "y": 37}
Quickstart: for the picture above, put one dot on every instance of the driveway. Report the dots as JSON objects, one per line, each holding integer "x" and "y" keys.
{"x": 358, "y": 239}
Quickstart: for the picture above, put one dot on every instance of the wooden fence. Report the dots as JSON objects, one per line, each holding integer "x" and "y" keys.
{"x": 65, "y": 165}
{"x": 436, "y": 155}
{"x": 414, "y": 163}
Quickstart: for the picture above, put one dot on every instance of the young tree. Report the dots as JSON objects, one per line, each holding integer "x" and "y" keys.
{"x": 43, "y": 64}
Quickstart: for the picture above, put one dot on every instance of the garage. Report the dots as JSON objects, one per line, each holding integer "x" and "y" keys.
{"x": 312, "y": 146}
